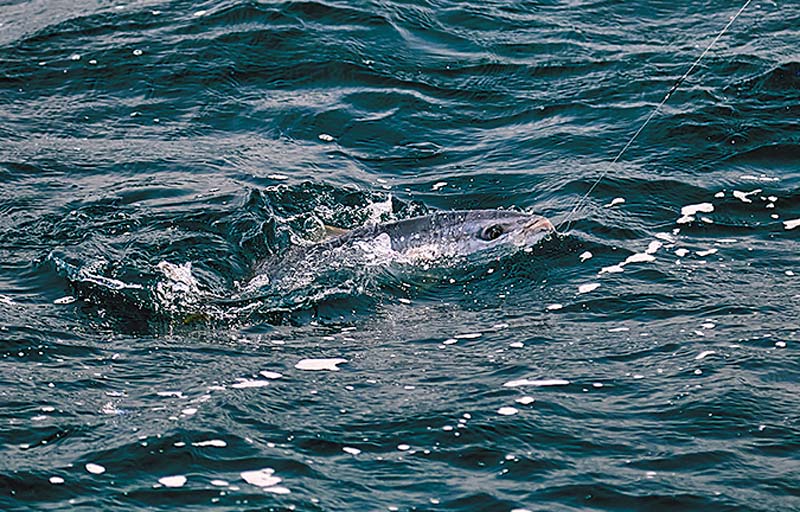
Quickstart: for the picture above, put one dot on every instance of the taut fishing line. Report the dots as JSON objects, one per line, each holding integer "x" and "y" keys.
{"x": 579, "y": 203}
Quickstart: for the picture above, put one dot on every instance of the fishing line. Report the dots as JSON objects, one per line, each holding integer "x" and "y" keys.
{"x": 653, "y": 113}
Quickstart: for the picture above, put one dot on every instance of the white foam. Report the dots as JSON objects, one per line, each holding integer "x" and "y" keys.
{"x": 653, "y": 246}
{"x": 745, "y": 196}
{"x": 69, "y": 299}
{"x": 707, "y": 252}
{"x": 56, "y": 480}
{"x": 329, "y": 364}
{"x": 351, "y": 450}
{"x": 468, "y": 336}
{"x": 277, "y": 489}
{"x": 525, "y": 400}
{"x": 615, "y": 201}
{"x": 535, "y": 382}
{"x": 248, "y": 383}
{"x": 325, "y": 137}
{"x": 692, "y": 209}
{"x": 261, "y": 477}
{"x": 172, "y": 481}
{"x": 613, "y": 269}
{"x": 688, "y": 211}
{"x": 95, "y": 469}
{"x": 377, "y": 211}
{"x": 588, "y": 287}
{"x": 639, "y": 257}
{"x": 216, "y": 443}
{"x": 181, "y": 275}
{"x": 439, "y": 184}
{"x": 704, "y": 354}
{"x": 507, "y": 411}
{"x": 791, "y": 224}
{"x": 189, "y": 411}
{"x": 403, "y": 447}
{"x": 554, "y": 307}
{"x": 219, "y": 483}
{"x": 585, "y": 256}
{"x": 270, "y": 375}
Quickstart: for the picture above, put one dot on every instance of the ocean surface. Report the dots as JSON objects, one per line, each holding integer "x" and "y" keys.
{"x": 154, "y": 154}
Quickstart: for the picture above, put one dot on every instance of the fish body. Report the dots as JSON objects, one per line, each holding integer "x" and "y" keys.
{"x": 451, "y": 233}
{"x": 354, "y": 263}
{"x": 425, "y": 239}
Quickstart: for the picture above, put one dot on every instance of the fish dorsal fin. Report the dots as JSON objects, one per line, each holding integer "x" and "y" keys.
{"x": 332, "y": 231}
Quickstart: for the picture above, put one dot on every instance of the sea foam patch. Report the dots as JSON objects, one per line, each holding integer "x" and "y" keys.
{"x": 323, "y": 364}
{"x": 261, "y": 477}
{"x": 536, "y": 382}
{"x": 690, "y": 210}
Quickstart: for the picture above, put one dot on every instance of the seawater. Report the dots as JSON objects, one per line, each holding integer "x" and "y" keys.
{"x": 153, "y": 154}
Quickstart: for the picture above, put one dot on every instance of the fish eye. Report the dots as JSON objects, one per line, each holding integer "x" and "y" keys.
{"x": 492, "y": 232}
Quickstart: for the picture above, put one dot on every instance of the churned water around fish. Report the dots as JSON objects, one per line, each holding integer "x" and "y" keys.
{"x": 155, "y": 155}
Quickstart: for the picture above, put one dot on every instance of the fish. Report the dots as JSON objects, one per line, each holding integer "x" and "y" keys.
{"x": 440, "y": 236}
{"x": 354, "y": 262}
{"x": 450, "y": 233}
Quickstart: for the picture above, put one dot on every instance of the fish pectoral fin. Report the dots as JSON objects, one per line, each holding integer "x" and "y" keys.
{"x": 332, "y": 231}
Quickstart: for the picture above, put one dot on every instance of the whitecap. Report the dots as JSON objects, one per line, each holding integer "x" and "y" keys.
{"x": 261, "y": 477}
{"x": 791, "y": 224}
{"x": 588, "y": 287}
{"x": 95, "y": 469}
{"x": 535, "y": 382}
{"x": 320, "y": 364}
{"x": 172, "y": 481}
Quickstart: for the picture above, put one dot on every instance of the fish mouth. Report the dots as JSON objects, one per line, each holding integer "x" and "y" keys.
{"x": 533, "y": 231}
{"x": 538, "y": 225}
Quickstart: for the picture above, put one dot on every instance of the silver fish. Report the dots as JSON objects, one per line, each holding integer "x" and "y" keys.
{"x": 346, "y": 264}
{"x": 451, "y": 233}
{"x": 427, "y": 239}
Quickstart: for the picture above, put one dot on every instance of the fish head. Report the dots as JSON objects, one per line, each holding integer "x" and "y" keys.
{"x": 482, "y": 230}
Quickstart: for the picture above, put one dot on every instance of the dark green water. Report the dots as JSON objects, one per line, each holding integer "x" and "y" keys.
{"x": 137, "y": 138}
